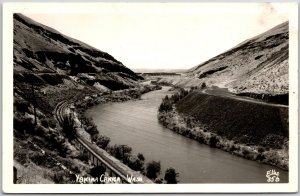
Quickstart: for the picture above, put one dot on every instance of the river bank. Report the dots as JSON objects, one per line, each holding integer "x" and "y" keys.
{"x": 136, "y": 123}
{"x": 178, "y": 123}
{"x": 122, "y": 153}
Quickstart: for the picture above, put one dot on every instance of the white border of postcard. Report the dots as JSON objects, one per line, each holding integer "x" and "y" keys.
{"x": 7, "y": 116}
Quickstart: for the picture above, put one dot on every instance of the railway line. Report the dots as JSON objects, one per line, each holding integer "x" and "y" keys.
{"x": 96, "y": 156}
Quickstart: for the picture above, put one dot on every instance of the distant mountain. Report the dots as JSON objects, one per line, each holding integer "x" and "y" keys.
{"x": 257, "y": 65}
{"x": 145, "y": 70}
{"x": 45, "y": 56}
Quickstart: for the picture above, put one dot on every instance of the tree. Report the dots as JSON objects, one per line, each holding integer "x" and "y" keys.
{"x": 101, "y": 140}
{"x": 141, "y": 156}
{"x": 189, "y": 122}
{"x": 92, "y": 129}
{"x": 135, "y": 163}
{"x": 153, "y": 169}
{"x": 121, "y": 152}
{"x": 213, "y": 141}
{"x": 171, "y": 176}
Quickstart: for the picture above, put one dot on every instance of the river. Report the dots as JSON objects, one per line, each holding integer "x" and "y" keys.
{"x": 135, "y": 123}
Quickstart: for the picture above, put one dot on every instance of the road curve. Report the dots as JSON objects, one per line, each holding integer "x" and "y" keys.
{"x": 223, "y": 92}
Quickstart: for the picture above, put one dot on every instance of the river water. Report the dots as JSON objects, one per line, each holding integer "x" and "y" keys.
{"x": 135, "y": 123}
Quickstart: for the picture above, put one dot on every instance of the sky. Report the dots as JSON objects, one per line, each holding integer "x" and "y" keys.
{"x": 165, "y": 35}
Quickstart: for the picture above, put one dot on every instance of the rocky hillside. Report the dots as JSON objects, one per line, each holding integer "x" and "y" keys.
{"x": 257, "y": 65}
{"x": 51, "y": 69}
{"x": 45, "y": 56}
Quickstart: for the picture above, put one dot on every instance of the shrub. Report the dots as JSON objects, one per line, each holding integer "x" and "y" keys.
{"x": 153, "y": 169}
{"x": 213, "y": 141}
{"x": 260, "y": 149}
{"x": 200, "y": 139}
{"x": 21, "y": 155}
{"x": 245, "y": 151}
{"x": 260, "y": 157}
{"x": 189, "y": 122}
{"x": 165, "y": 106}
{"x": 141, "y": 156}
{"x": 171, "y": 176}
{"x": 92, "y": 129}
{"x": 121, "y": 152}
{"x": 273, "y": 141}
{"x": 232, "y": 148}
{"x": 135, "y": 163}
{"x": 59, "y": 177}
{"x": 102, "y": 141}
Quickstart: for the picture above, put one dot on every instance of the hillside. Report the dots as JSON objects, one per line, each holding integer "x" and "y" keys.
{"x": 51, "y": 70}
{"x": 59, "y": 67}
{"x": 238, "y": 120}
{"x": 45, "y": 53}
{"x": 257, "y": 65}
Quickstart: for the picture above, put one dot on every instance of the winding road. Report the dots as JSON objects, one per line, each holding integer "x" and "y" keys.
{"x": 223, "y": 92}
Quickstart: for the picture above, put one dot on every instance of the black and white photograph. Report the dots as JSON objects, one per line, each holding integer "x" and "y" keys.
{"x": 150, "y": 97}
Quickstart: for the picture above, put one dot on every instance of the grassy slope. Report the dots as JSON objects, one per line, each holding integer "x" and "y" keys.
{"x": 245, "y": 122}
{"x": 258, "y": 65}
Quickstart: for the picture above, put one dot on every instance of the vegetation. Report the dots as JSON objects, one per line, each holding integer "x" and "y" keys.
{"x": 246, "y": 122}
{"x": 153, "y": 170}
{"x": 167, "y": 102}
{"x": 171, "y": 176}
{"x": 224, "y": 123}
{"x": 101, "y": 140}
{"x": 213, "y": 141}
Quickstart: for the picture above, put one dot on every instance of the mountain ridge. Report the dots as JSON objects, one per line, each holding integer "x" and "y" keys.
{"x": 41, "y": 49}
{"x": 243, "y": 65}
{"x": 258, "y": 65}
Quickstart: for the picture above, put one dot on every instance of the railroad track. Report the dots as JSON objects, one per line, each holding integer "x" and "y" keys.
{"x": 60, "y": 111}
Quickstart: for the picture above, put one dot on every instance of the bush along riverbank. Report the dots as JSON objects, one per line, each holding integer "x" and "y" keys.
{"x": 190, "y": 127}
{"x": 136, "y": 162}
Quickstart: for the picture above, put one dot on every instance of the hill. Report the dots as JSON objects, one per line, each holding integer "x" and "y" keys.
{"x": 258, "y": 65}
{"x": 238, "y": 120}
{"x": 41, "y": 53}
{"x": 52, "y": 70}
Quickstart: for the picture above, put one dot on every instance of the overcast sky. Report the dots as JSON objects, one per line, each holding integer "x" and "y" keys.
{"x": 165, "y": 36}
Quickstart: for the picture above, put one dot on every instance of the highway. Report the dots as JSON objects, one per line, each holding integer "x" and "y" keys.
{"x": 223, "y": 92}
